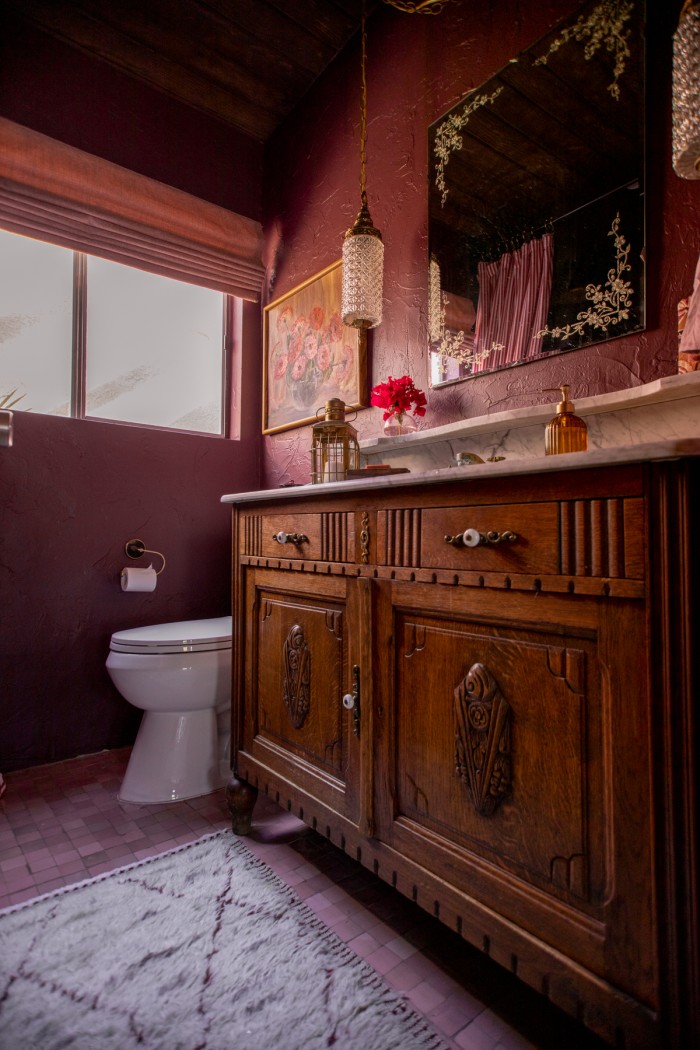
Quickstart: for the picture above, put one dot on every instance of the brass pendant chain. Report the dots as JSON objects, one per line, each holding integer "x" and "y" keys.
{"x": 363, "y": 110}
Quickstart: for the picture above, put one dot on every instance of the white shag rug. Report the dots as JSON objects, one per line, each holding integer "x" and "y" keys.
{"x": 201, "y": 948}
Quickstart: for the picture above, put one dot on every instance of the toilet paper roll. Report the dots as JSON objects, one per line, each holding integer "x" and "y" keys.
{"x": 139, "y": 579}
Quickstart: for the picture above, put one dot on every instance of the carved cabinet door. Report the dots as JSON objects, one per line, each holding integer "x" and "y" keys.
{"x": 511, "y": 735}
{"x": 303, "y": 683}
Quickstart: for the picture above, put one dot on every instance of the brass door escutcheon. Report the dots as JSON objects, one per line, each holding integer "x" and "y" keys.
{"x": 351, "y": 701}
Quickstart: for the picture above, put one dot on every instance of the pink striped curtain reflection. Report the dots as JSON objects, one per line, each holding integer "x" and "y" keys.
{"x": 513, "y": 303}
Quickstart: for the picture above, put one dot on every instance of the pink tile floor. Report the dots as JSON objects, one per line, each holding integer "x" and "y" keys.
{"x": 61, "y": 823}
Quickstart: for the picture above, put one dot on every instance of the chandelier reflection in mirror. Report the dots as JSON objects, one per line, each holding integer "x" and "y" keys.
{"x": 536, "y": 201}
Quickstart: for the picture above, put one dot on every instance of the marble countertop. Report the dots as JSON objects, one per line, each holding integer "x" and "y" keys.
{"x": 657, "y": 451}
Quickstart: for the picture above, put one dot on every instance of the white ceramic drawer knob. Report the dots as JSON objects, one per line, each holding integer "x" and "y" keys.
{"x": 348, "y": 701}
{"x": 471, "y": 538}
{"x": 290, "y": 537}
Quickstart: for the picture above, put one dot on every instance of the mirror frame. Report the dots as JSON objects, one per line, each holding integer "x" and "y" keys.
{"x": 503, "y": 184}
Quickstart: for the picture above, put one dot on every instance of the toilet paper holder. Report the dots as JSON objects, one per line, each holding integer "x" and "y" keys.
{"x": 136, "y": 549}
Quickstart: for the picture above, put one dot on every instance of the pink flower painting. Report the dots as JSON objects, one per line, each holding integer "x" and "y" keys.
{"x": 310, "y": 355}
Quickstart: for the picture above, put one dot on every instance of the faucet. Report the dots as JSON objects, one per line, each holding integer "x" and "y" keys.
{"x": 464, "y": 458}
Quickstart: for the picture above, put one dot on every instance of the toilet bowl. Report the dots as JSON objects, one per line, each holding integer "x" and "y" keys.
{"x": 179, "y": 675}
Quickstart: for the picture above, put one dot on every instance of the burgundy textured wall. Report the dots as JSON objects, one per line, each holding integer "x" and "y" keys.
{"x": 418, "y": 67}
{"x": 72, "y": 492}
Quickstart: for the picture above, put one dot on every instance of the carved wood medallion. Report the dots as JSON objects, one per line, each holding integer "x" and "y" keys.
{"x": 297, "y": 676}
{"x": 483, "y": 739}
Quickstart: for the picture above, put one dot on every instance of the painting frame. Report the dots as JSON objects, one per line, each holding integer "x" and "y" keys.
{"x": 309, "y": 355}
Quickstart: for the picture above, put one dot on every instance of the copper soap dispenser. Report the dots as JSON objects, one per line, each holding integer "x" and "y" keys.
{"x": 566, "y": 432}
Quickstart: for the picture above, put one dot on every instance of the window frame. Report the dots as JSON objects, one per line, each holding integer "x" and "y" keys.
{"x": 79, "y": 355}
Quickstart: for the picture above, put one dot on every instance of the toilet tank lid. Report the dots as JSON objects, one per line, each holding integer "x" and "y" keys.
{"x": 213, "y": 633}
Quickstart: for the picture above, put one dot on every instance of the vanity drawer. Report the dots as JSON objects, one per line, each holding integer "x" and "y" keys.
{"x": 326, "y": 536}
{"x": 535, "y": 548}
{"x": 305, "y": 526}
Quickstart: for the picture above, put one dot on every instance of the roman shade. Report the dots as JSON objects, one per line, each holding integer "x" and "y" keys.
{"x": 60, "y": 194}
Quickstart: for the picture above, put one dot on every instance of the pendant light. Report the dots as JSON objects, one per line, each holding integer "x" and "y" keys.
{"x": 363, "y": 249}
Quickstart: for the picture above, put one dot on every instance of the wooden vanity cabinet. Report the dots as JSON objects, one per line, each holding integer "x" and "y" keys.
{"x": 503, "y": 731}
{"x": 304, "y": 639}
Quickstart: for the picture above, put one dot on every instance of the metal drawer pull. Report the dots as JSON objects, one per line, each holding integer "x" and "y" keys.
{"x": 474, "y": 538}
{"x": 290, "y": 537}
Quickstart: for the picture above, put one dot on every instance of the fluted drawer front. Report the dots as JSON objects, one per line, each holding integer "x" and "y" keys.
{"x": 328, "y": 536}
{"x": 534, "y": 548}
{"x": 603, "y": 537}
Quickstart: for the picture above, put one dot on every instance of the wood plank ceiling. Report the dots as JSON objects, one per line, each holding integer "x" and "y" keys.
{"x": 246, "y": 62}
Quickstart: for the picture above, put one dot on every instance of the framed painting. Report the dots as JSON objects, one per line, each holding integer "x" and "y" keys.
{"x": 309, "y": 355}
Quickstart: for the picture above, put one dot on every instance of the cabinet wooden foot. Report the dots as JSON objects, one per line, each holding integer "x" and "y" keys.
{"x": 240, "y": 798}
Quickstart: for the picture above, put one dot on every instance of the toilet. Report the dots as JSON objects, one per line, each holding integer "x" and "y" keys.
{"x": 179, "y": 675}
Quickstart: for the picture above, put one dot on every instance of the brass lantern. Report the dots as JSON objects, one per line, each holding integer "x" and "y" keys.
{"x": 334, "y": 448}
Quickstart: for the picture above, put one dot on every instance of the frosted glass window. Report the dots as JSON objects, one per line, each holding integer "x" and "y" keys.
{"x": 36, "y": 324}
{"x": 81, "y": 335}
{"x": 154, "y": 349}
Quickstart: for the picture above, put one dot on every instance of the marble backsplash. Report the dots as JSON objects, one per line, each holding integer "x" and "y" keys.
{"x": 667, "y": 408}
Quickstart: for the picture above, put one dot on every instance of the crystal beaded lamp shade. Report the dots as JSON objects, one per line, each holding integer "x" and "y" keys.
{"x": 363, "y": 250}
{"x": 686, "y": 93}
{"x": 363, "y": 275}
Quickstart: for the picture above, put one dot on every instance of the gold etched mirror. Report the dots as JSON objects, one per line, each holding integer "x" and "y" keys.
{"x": 536, "y": 201}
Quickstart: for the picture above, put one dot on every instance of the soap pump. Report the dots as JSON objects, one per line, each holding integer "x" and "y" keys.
{"x": 566, "y": 432}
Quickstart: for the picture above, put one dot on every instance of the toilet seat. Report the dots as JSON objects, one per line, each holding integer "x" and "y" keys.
{"x": 187, "y": 636}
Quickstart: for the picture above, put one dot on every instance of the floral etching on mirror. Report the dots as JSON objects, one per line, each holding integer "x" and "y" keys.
{"x": 612, "y": 303}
